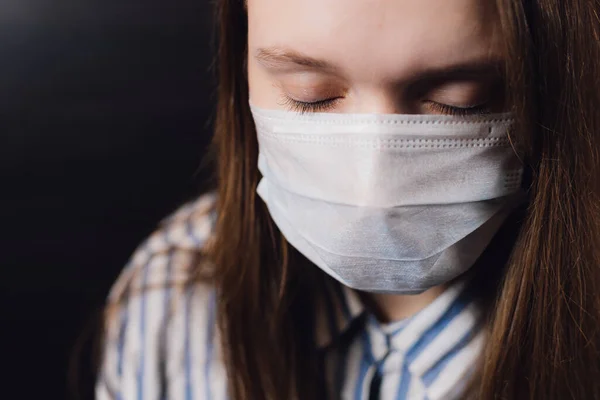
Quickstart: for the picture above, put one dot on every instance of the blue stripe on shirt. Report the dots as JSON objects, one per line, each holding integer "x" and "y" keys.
{"x": 425, "y": 340}
{"x": 430, "y": 376}
{"x": 404, "y": 383}
{"x": 365, "y": 363}
{"x": 142, "y": 361}
{"x": 167, "y": 307}
{"x": 189, "y": 229}
{"x": 188, "y": 357}
{"x": 121, "y": 344}
{"x": 209, "y": 343}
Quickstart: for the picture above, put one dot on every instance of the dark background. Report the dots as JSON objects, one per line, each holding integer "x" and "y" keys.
{"x": 105, "y": 112}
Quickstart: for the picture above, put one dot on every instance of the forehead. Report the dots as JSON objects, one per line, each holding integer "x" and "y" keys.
{"x": 387, "y": 37}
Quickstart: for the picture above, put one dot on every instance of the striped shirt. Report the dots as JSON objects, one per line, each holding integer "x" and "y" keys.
{"x": 162, "y": 342}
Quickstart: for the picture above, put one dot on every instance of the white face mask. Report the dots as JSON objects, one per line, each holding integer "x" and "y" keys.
{"x": 388, "y": 203}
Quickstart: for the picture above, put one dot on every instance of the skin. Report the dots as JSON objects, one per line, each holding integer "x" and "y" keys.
{"x": 376, "y": 56}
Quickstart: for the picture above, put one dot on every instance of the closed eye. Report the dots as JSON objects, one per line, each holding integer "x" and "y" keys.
{"x": 324, "y": 105}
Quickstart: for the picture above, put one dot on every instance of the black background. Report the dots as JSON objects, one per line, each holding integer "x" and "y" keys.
{"x": 105, "y": 112}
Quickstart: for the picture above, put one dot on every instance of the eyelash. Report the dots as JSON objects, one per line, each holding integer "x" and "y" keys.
{"x": 304, "y": 107}
{"x": 459, "y": 111}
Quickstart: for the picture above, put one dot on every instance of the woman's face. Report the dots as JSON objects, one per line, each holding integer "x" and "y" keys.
{"x": 375, "y": 56}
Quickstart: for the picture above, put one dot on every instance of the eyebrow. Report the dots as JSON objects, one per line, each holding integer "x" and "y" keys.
{"x": 277, "y": 58}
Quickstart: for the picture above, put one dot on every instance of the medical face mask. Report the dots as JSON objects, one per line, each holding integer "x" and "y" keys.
{"x": 388, "y": 203}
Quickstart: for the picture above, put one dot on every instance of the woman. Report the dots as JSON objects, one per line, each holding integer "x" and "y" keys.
{"x": 407, "y": 209}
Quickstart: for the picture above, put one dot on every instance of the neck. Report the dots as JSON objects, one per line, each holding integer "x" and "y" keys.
{"x": 395, "y": 307}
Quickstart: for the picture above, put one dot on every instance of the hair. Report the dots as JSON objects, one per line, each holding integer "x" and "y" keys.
{"x": 539, "y": 280}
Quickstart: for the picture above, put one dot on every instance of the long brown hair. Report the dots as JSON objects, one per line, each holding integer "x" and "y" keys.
{"x": 544, "y": 297}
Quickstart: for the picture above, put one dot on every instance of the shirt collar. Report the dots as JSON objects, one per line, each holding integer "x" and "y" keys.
{"x": 340, "y": 307}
